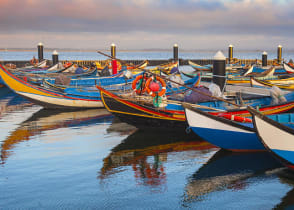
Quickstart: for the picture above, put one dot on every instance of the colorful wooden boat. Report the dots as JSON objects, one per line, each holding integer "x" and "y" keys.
{"x": 140, "y": 115}
{"x": 227, "y": 132}
{"x": 117, "y": 79}
{"x": 286, "y": 84}
{"x": 198, "y": 67}
{"x": 266, "y": 73}
{"x": 53, "y": 69}
{"x": 46, "y": 97}
{"x": 221, "y": 132}
{"x": 232, "y": 79}
{"x": 277, "y": 138}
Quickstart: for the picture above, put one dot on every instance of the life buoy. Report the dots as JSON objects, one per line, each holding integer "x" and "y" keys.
{"x": 236, "y": 118}
{"x": 141, "y": 86}
{"x": 163, "y": 86}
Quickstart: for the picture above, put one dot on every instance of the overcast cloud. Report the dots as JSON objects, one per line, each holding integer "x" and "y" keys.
{"x": 144, "y": 24}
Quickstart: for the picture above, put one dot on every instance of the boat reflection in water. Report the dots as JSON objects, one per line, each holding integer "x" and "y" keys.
{"x": 120, "y": 127}
{"x": 229, "y": 170}
{"x": 286, "y": 176}
{"x": 9, "y": 102}
{"x": 45, "y": 120}
{"x": 146, "y": 152}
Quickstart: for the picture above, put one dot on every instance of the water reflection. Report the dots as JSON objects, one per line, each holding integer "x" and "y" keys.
{"x": 146, "y": 153}
{"x": 228, "y": 170}
{"x": 9, "y": 102}
{"x": 287, "y": 177}
{"x": 45, "y": 120}
{"x": 120, "y": 127}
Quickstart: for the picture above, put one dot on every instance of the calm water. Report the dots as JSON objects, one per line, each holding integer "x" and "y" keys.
{"x": 89, "y": 160}
{"x": 141, "y": 55}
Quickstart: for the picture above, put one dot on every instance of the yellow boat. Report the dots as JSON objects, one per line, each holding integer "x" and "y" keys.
{"x": 163, "y": 68}
{"x": 271, "y": 83}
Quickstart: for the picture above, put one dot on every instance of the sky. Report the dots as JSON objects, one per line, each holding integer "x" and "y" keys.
{"x": 147, "y": 24}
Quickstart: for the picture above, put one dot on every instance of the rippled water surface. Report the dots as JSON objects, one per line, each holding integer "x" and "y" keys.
{"x": 90, "y": 160}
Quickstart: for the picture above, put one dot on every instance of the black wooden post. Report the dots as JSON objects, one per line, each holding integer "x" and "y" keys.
{"x": 279, "y": 54}
{"x": 176, "y": 52}
{"x": 113, "y": 50}
{"x": 40, "y": 52}
{"x": 230, "y": 53}
{"x": 264, "y": 59}
{"x": 55, "y": 57}
{"x": 219, "y": 69}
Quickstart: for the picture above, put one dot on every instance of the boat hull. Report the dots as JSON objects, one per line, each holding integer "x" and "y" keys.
{"x": 142, "y": 116}
{"x": 277, "y": 138}
{"x": 222, "y": 132}
{"x": 47, "y": 97}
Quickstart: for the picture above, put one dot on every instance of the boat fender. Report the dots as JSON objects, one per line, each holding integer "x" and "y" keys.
{"x": 236, "y": 118}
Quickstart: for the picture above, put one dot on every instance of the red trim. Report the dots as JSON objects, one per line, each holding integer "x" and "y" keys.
{"x": 290, "y": 166}
{"x": 134, "y": 105}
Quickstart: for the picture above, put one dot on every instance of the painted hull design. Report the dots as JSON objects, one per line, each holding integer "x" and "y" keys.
{"x": 142, "y": 116}
{"x": 46, "y": 97}
{"x": 222, "y": 132}
{"x": 276, "y": 137}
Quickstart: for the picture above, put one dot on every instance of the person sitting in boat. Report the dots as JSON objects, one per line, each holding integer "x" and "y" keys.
{"x": 34, "y": 61}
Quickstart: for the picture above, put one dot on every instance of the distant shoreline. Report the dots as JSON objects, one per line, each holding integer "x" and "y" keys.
{"x": 132, "y": 50}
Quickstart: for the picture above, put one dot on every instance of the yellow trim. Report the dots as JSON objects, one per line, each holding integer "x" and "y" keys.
{"x": 17, "y": 86}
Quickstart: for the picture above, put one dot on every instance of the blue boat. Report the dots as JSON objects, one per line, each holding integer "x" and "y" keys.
{"x": 227, "y": 133}
{"x": 277, "y": 138}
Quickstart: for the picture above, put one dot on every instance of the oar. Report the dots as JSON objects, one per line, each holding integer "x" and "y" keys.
{"x": 197, "y": 91}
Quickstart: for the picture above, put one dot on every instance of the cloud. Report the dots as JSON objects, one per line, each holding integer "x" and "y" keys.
{"x": 185, "y": 18}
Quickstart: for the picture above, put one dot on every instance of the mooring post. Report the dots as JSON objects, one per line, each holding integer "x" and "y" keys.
{"x": 176, "y": 52}
{"x": 219, "y": 69}
{"x": 55, "y": 57}
{"x": 264, "y": 59}
{"x": 279, "y": 56}
{"x": 113, "y": 50}
{"x": 40, "y": 52}
{"x": 230, "y": 53}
